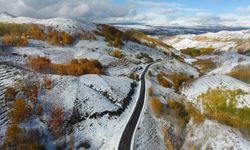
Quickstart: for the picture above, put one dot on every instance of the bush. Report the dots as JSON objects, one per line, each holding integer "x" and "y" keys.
{"x": 150, "y": 91}
{"x": 194, "y": 113}
{"x": 156, "y": 106}
{"x": 56, "y": 121}
{"x": 117, "y": 53}
{"x": 12, "y": 133}
{"x": 39, "y": 110}
{"x": 7, "y": 40}
{"x": 178, "y": 80}
{"x": 180, "y": 110}
{"x": 134, "y": 76}
{"x": 167, "y": 138}
{"x": 204, "y": 65}
{"x": 47, "y": 83}
{"x": 194, "y": 52}
{"x": 242, "y": 73}
{"x": 19, "y": 111}
{"x": 116, "y": 37}
{"x": 74, "y": 67}
{"x": 10, "y": 94}
{"x": 162, "y": 81}
{"x": 221, "y": 105}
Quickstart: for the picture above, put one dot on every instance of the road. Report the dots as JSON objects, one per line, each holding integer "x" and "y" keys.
{"x": 127, "y": 135}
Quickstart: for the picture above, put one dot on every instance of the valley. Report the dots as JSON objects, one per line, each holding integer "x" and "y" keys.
{"x": 71, "y": 84}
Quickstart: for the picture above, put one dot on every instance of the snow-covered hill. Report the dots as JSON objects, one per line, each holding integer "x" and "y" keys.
{"x": 60, "y": 24}
{"x": 221, "y": 41}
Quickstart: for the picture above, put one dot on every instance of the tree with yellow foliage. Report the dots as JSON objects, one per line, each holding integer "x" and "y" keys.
{"x": 22, "y": 41}
{"x": 116, "y": 53}
{"x": 7, "y": 40}
{"x": 66, "y": 38}
{"x": 19, "y": 111}
{"x": 156, "y": 106}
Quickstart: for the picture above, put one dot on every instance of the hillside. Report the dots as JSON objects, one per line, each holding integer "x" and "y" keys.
{"x": 70, "y": 84}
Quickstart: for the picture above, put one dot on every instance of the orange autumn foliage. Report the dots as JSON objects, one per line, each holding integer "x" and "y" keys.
{"x": 74, "y": 67}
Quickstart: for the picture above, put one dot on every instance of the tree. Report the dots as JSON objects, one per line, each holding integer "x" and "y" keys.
{"x": 22, "y": 41}
{"x": 116, "y": 53}
{"x": 19, "y": 111}
{"x": 66, "y": 38}
{"x": 12, "y": 133}
{"x": 10, "y": 94}
{"x": 39, "y": 110}
{"x": 117, "y": 41}
{"x": 8, "y": 40}
{"x": 150, "y": 91}
{"x": 56, "y": 121}
{"x": 156, "y": 106}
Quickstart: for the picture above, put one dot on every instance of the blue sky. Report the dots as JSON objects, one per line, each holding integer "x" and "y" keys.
{"x": 153, "y": 12}
{"x": 193, "y": 12}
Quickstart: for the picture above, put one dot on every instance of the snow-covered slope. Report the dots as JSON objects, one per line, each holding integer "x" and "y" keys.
{"x": 202, "y": 85}
{"x": 60, "y": 24}
{"x": 221, "y": 41}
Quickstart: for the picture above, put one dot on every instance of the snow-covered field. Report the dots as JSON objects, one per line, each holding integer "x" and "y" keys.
{"x": 103, "y": 103}
{"x": 221, "y": 41}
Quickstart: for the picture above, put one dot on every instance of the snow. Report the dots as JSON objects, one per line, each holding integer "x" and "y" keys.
{"x": 217, "y": 137}
{"x": 60, "y": 24}
{"x": 221, "y": 41}
{"x": 173, "y": 65}
{"x": 203, "y": 84}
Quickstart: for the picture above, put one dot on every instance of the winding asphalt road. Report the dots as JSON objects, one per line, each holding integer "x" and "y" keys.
{"x": 127, "y": 135}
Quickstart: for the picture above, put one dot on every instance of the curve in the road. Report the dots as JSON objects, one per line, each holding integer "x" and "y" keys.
{"x": 126, "y": 139}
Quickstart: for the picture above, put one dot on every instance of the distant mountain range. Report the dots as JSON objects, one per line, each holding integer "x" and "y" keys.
{"x": 174, "y": 30}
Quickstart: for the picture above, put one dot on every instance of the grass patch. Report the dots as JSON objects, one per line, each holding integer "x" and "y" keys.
{"x": 194, "y": 52}
{"x": 241, "y": 73}
{"x": 74, "y": 67}
{"x": 115, "y": 37}
{"x": 156, "y": 106}
{"x": 221, "y": 105}
{"x": 177, "y": 79}
{"x": 204, "y": 65}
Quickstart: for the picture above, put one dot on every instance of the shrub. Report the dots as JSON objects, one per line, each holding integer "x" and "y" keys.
{"x": 204, "y": 65}
{"x": 7, "y": 40}
{"x": 86, "y": 35}
{"x": 39, "y": 110}
{"x": 74, "y": 67}
{"x": 242, "y": 73}
{"x": 221, "y": 105}
{"x": 56, "y": 121}
{"x": 10, "y": 94}
{"x": 162, "y": 81}
{"x": 156, "y": 106}
{"x": 178, "y": 79}
{"x": 12, "y": 133}
{"x": 194, "y": 52}
{"x": 167, "y": 139}
{"x": 117, "y": 53}
{"x": 66, "y": 38}
{"x": 180, "y": 110}
{"x": 111, "y": 34}
{"x": 194, "y": 113}
{"x": 39, "y": 63}
{"x": 47, "y": 83}
{"x": 134, "y": 76}
{"x": 19, "y": 111}
{"x": 116, "y": 37}
{"x": 150, "y": 91}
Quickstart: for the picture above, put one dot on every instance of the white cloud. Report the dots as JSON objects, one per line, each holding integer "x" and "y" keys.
{"x": 65, "y": 8}
{"x": 144, "y": 11}
{"x": 243, "y": 9}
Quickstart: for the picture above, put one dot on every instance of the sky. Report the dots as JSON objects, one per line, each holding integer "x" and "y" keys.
{"x": 153, "y": 12}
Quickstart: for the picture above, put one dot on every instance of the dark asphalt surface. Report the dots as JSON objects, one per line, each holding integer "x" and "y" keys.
{"x": 127, "y": 134}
